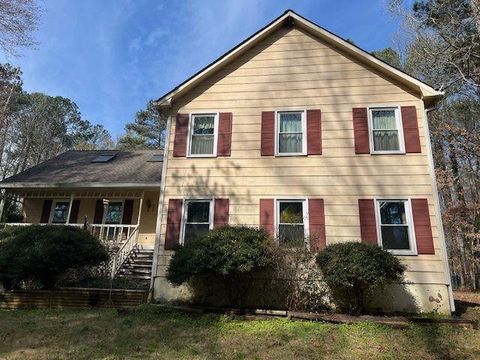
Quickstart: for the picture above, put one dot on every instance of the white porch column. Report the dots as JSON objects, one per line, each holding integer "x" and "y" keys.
{"x": 140, "y": 206}
{"x": 70, "y": 208}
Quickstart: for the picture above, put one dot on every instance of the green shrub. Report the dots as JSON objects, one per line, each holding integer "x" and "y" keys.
{"x": 42, "y": 254}
{"x": 228, "y": 256}
{"x": 353, "y": 270}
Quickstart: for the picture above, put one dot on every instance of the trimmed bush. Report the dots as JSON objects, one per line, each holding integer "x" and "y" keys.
{"x": 225, "y": 256}
{"x": 354, "y": 270}
{"x": 43, "y": 254}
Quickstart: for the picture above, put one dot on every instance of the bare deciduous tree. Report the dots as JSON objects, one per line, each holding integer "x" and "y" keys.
{"x": 18, "y": 20}
{"x": 443, "y": 49}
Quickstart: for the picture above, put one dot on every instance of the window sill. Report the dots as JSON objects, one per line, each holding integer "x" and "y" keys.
{"x": 402, "y": 253}
{"x": 287, "y": 155}
{"x": 201, "y": 156}
{"x": 388, "y": 153}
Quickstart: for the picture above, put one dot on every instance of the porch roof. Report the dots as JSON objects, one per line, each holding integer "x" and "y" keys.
{"x": 78, "y": 169}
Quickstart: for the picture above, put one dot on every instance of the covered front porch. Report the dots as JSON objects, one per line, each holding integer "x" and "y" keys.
{"x": 112, "y": 194}
{"x": 114, "y": 216}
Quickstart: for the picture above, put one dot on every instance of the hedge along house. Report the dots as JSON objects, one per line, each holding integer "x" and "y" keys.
{"x": 308, "y": 136}
{"x": 114, "y": 194}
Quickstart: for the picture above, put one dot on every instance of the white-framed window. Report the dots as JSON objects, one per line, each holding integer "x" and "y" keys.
{"x": 290, "y": 133}
{"x": 59, "y": 212}
{"x": 203, "y": 133}
{"x": 114, "y": 213}
{"x": 395, "y": 226}
{"x": 197, "y": 219}
{"x": 291, "y": 222}
{"x": 386, "y": 130}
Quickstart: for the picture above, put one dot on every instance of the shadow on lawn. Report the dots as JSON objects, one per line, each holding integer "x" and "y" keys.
{"x": 438, "y": 340}
{"x": 155, "y": 332}
{"x": 462, "y": 307}
{"x": 142, "y": 333}
{"x": 433, "y": 339}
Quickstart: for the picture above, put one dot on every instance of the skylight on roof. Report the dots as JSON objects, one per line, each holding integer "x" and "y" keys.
{"x": 156, "y": 158}
{"x": 103, "y": 158}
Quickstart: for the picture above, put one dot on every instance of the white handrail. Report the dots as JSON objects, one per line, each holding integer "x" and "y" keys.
{"x": 124, "y": 252}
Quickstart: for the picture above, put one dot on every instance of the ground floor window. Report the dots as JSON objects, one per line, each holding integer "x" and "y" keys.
{"x": 114, "y": 212}
{"x": 291, "y": 222}
{"x": 394, "y": 222}
{"x": 59, "y": 213}
{"x": 198, "y": 219}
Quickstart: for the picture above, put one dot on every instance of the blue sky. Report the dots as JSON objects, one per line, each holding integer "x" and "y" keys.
{"x": 112, "y": 56}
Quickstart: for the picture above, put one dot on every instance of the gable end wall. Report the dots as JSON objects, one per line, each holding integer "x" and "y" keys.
{"x": 293, "y": 70}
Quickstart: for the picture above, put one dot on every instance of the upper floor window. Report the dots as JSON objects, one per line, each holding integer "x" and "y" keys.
{"x": 291, "y": 130}
{"x": 203, "y": 134}
{"x": 59, "y": 213}
{"x": 198, "y": 219}
{"x": 394, "y": 220}
{"x": 386, "y": 134}
{"x": 291, "y": 222}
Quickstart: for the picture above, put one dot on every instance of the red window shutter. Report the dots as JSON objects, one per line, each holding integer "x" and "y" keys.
{"x": 410, "y": 129}
{"x": 422, "y": 226}
{"x": 316, "y": 218}
{"x": 181, "y": 135}
{"x": 98, "y": 215}
{"x": 314, "y": 132}
{"x": 368, "y": 225}
{"x": 47, "y": 208}
{"x": 127, "y": 212}
{"x": 224, "y": 144}
{"x": 74, "y": 212}
{"x": 174, "y": 222}
{"x": 360, "y": 131}
{"x": 221, "y": 213}
{"x": 268, "y": 133}
{"x": 267, "y": 212}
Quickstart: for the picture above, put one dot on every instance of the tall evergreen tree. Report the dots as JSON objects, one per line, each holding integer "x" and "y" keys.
{"x": 146, "y": 132}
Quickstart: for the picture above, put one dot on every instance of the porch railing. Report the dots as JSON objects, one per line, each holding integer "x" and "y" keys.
{"x": 124, "y": 252}
{"x": 110, "y": 235}
{"x": 121, "y": 239}
{"x": 4, "y": 225}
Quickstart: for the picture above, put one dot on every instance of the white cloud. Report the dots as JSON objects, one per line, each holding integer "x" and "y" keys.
{"x": 135, "y": 44}
{"x": 156, "y": 35}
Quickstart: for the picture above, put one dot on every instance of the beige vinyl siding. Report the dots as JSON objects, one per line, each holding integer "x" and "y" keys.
{"x": 148, "y": 219}
{"x": 32, "y": 210}
{"x": 293, "y": 70}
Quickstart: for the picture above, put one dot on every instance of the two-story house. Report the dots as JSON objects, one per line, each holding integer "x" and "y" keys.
{"x": 302, "y": 133}
{"x": 294, "y": 130}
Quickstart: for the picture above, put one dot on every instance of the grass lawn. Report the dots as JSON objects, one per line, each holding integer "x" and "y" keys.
{"x": 150, "y": 332}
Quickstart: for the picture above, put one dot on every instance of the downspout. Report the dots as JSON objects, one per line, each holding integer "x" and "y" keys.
{"x": 161, "y": 198}
{"x": 436, "y": 200}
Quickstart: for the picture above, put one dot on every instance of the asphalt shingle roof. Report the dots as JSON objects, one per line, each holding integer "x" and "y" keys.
{"x": 75, "y": 168}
